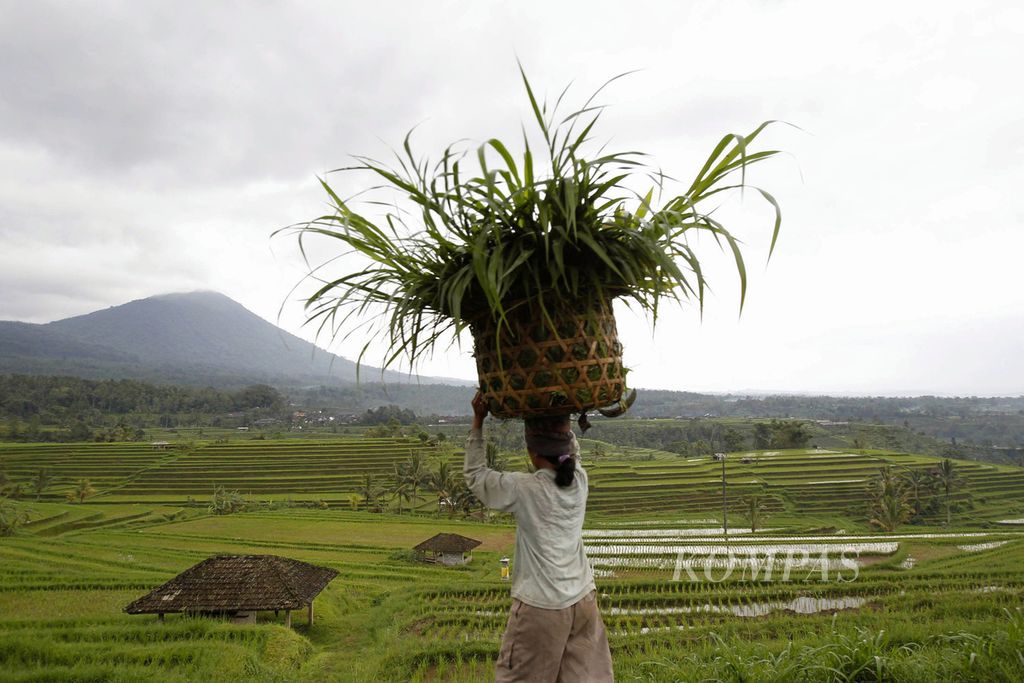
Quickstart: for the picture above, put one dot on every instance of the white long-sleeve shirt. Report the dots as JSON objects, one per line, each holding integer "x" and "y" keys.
{"x": 551, "y": 568}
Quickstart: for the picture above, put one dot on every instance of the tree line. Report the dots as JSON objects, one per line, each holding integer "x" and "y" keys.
{"x": 897, "y": 496}
{"x": 38, "y": 408}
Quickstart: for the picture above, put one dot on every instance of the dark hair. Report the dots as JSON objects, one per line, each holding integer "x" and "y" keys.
{"x": 550, "y": 438}
{"x": 565, "y": 471}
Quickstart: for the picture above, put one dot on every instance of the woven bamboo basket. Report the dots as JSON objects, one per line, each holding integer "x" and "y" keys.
{"x": 535, "y": 365}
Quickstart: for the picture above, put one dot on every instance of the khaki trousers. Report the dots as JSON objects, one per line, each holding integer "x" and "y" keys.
{"x": 567, "y": 645}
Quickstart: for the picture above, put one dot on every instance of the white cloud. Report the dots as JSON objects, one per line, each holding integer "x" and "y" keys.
{"x": 148, "y": 148}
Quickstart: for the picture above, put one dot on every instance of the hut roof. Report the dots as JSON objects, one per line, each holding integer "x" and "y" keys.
{"x": 447, "y": 543}
{"x": 237, "y": 582}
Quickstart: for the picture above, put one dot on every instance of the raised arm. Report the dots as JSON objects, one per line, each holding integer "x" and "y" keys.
{"x": 496, "y": 490}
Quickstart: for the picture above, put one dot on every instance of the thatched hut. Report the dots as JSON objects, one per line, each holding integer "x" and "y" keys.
{"x": 239, "y": 586}
{"x": 449, "y": 549}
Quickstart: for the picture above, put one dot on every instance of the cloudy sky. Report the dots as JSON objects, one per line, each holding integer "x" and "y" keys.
{"x": 152, "y": 147}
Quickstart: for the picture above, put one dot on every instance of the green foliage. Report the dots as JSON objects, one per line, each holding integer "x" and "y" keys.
{"x": 392, "y": 429}
{"x": 496, "y": 459}
{"x": 12, "y": 517}
{"x": 79, "y": 431}
{"x": 888, "y": 496}
{"x": 42, "y": 481}
{"x": 733, "y": 440}
{"x": 564, "y": 225}
{"x": 754, "y": 509}
{"x": 464, "y": 500}
{"x": 948, "y": 479}
{"x": 844, "y": 655}
{"x": 789, "y": 434}
{"x": 82, "y": 490}
{"x": 226, "y": 502}
{"x": 400, "y": 489}
{"x": 73, "y": 409}
{"x": 383, "y": 415}
{"x": 444, "y": 482}
{"x": 922, "y": 487}
{"x": 762, "y": 436}
{"x": 370, "y": 493}
{"x": 118, "y": 433}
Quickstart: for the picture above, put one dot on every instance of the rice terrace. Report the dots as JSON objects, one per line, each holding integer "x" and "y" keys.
{"x": 814, "y": 593}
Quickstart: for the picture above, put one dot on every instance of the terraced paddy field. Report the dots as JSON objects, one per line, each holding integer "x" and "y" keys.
{"x": 804, "y": 483}
{"x": 817, "y": 595}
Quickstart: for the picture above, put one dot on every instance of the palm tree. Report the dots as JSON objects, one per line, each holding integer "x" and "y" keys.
{"x": 42, "y": 481}
{"x": 889, "y": 512}
{"x": 400, "y": 488}
{"x": 949, "y": 479}
{"x": 755, "y": 509}
{"x": 416, "y": 474}
{"x": 889, "y": 506}
{"x": 443, "y": 483}
{"x": 369, "y": 492}
{"x": 886, "y": 482}
{"x": 918, "y": 482}
{"x": 463, "y": 498}
{"x": 495, "y": 459}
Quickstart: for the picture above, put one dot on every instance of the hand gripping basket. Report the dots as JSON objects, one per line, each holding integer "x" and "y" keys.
{"x": 553, "y": 360}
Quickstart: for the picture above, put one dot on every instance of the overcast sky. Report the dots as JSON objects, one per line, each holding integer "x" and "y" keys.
{"x": 151, "y": 147}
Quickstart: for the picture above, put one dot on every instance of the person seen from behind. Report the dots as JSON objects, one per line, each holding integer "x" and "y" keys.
{"x": 554, "y": 633}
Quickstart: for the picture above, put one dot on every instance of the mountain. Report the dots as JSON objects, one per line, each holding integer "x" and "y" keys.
{"x": 28, "y": 340}
{"x": 194, "y": 338}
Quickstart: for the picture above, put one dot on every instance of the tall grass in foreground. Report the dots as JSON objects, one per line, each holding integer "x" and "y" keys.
{"x": 858, "y": 655}
{"x": 180, "y": 650}
{"x": 843, "y": 653}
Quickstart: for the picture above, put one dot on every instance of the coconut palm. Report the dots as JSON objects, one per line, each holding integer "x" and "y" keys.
{"x": 888, "y": 495}
{"x": 463, "y": 499}
{"x": 886, "y": 482}
{"x": 415, "y": 473}
{"x": 370, "y": 492}
{"x": 754, "y": 506}
{"x": 496, "y": 460}
{"x": 563, "y": 222}
{"x": 920, "y": 488}
{"x": 889, "y": 511}
{"x": 42, "y": 481}
{"x": 444, "y": 482}
{"x": 949, "y": 479}
{"x": 400, "y": 489}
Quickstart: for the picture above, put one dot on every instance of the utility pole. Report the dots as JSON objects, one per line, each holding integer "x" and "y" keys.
{"x": 725, "y": 515}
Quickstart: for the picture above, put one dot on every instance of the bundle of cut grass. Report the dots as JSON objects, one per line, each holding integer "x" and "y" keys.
{"x": 528, "y": 255}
